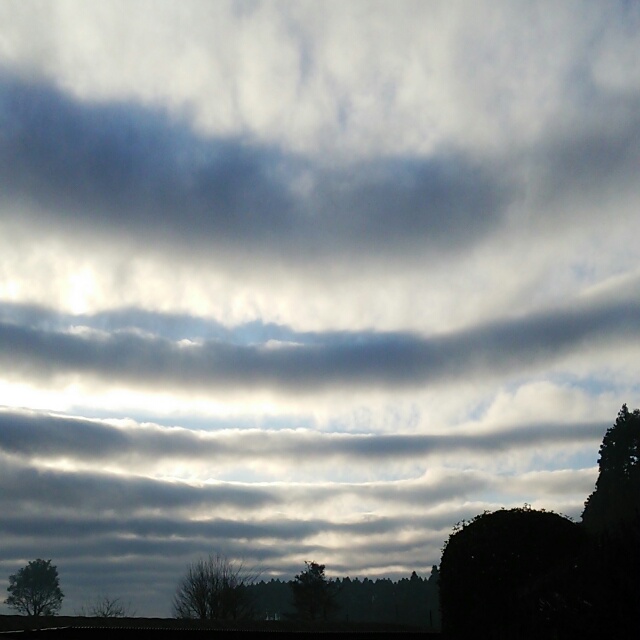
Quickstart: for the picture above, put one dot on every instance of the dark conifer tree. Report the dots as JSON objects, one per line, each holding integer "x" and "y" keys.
{"x": 611, "y": 565}
{"x": 314, "y": 597}
{"x": 616, "y": 499}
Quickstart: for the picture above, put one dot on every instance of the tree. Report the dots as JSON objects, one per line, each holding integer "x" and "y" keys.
{"x": 612, "y": 518}
{"x": 509, "y": 573}
{"x": 433, "y": 598}
{"x": 616, "y": 498}
{"x": 35, "y": 589}
{"x": 313, "y": 595}
{"x": 107, "y": 607}
{"x": 214, "y": 588}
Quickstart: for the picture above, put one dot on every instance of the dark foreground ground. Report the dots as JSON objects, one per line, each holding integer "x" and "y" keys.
{"x": 80, "y": 628}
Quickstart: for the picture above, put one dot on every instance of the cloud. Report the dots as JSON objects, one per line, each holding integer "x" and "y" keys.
{"x": 301, "y": 280}
{"x": 588, "y": 166}
{"x": 48, "y": 490}
{"x": 419, "y": 75}
{"x": 117, "y": 169}
{"x": 123, "y": 170}
{"x": 69, "y": 516}
{"x": 318, "y": 361}
{"x": 35, "y": 488}
{"x": 84, "y": 442}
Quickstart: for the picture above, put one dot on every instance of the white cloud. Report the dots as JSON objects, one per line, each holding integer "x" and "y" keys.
{"x": 362, "y": 77}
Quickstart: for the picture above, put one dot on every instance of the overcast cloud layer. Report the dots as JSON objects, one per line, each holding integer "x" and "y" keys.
{"x": 306, "y": 280}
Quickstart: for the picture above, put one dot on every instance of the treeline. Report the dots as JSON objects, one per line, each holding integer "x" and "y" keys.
{"x": 217, "y": 588}
{"x": 410, "y": 601}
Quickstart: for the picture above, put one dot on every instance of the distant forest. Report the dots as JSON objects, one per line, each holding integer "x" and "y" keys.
{"x": 411, "y": 601}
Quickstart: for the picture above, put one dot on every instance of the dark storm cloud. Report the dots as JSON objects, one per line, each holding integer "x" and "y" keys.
{"x": 123, "y": 169}
{"x": 41, "y": 436}
{"x": 317, "y": 361}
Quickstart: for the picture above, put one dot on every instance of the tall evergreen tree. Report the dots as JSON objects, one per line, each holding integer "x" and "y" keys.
{"x": 616, "y": 499}
{"x": 314, "y": 597}
{"x": 612, "y": 516}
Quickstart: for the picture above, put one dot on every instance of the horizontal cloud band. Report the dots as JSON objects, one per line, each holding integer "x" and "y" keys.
{"x": 42, "y": 436}
{"x": 316, "y": 361}
{"x": 127, "y": 170}
{"x": 53, "y": 491}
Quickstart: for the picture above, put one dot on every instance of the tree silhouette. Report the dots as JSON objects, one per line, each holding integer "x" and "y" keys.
{"x": 509, "y": 572}
{"x": 611, "y": 565}
{"x": 35, "y": 589}
{"x": 411, "y": 601}
{"x": 213, "y": 589}
{"x": 616, "y": 498}
{"x": 313, "y": 595}
{"x": 107, "y": 607}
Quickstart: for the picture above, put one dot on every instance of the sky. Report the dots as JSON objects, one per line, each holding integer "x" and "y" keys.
{"x": 298, "y": 281}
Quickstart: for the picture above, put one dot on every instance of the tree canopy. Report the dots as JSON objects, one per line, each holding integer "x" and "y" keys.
{"x": 528, "y": 574}
{"x": 314, "y": 596}
{"x": 612, "y": 517}
{"x": 496, "y": 569}
{"x": 35, "y": 589}
{"x": 616, "y": 498}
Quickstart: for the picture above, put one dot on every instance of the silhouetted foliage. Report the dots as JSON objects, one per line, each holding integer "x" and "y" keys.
{"x": 610, "y": 582}
{"x": 35, "y": 589}
{"x": 273, "y": 600}
{"x": 107, "y": 607}
{"x": 522, "y": 573}
{"x": 611, "y": 564}
{"x": 411, "y": 601}
{"x": 213, "y": 589}
{"x": 616, "y": 498}
{"x": 314, "y": 597}
{"x": 510, "y": 571}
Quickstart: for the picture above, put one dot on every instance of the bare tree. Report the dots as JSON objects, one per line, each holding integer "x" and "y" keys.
{"x": 107, "y": 607}
{"x": 214, "y": 588}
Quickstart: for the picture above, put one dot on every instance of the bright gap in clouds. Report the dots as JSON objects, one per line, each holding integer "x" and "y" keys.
{"x": 306, "y": 281}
